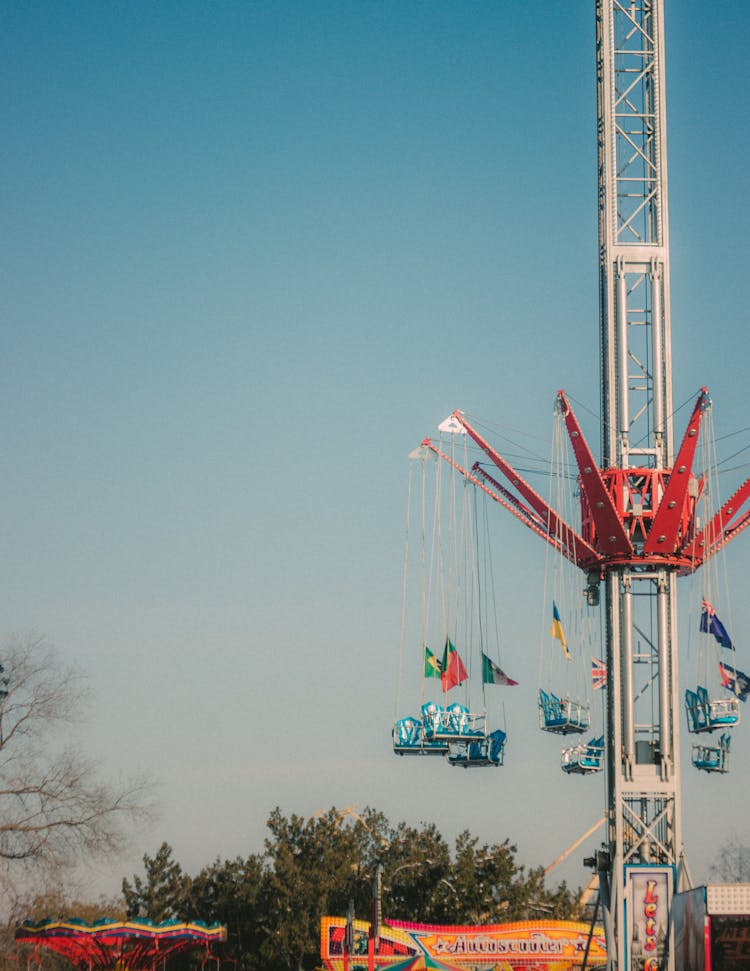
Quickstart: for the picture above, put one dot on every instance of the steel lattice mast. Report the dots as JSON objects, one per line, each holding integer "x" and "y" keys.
{"x": 643, "y": 782}
{"x": 639, "y": 529}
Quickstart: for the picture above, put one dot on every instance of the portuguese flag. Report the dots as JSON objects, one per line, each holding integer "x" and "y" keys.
{"x": 453, "y": 672}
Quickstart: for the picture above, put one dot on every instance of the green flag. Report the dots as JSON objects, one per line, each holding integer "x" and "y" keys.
{"x": 432, "y": 666}
{"x": 492, "y": 674}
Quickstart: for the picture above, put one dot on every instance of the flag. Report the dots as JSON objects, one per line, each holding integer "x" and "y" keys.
{"x": 452, "y": 425}
{"x": 710, "y": 624}
{"x": 598, "y": 673}
{"x": 432, "y": 666}
{"x": 734, "y": 680}
{"x": 557, "y": 631}
{"x": 453, "y": 670}
{"x": 492, "y": 674}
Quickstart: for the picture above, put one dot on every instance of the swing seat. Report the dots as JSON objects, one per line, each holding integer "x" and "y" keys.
{"x": 723, "y": 711}
{"x": 432, "y": 718}
{"x": 719, "y": 711}
{"x": 712, "y": 758}
{"x": 697, "y": 716}
{"x": 561, "y": 715}
{"x": 408, "y": 739}
{"x": 488, "y": 751}
{"x": 465, "y": 722}
{"x": 584, "y": 759}
{"x": 706, "y": 714}
{"x": 455, "y": 721}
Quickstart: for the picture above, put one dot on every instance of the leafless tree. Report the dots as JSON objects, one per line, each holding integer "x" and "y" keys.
{"x": 733, "y": 863}
{"x": 54, "y": 808}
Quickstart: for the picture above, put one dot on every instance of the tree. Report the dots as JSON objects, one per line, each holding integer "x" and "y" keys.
{"x": 164, "y": 894}
{"x": 57, "y": 905}
{"x": 313, "y": 865}
{"x": 225, "y": 893}
{"x": 472, "y": 885}
{"x": 54, "y": 809}
{"x": 52, "y": 904}
{"x": 416, "y": 874}
{"x": 229, "y": 893}
{"x": 733, "y": 862}
{"x": 486, "y": 882}
{"x": 271, "y": 904}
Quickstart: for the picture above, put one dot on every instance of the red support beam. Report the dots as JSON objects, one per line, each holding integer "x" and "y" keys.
{"x": 722, "y": 528}
{"x": 612, "y": 539}
{"x": 664, "y": 536}
{"x": 538, "y": 515}
{"x": 515, "y": 508}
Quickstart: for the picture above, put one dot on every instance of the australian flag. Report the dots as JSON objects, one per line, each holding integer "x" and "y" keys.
{"x": 734, "y": 680}
{"x": 710, "y": 624}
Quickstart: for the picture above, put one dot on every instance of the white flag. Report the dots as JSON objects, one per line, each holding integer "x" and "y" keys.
{"x": 452, "y": 425}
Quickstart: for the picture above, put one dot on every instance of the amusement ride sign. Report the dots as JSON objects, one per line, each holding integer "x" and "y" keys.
{"x": 648, "y": 892}
{"x": 549, "y": 945}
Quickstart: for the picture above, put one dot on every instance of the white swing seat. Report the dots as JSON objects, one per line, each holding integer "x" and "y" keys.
{"x": 409, "y": 739}
{"x": 446, "y": 724}
{"x": 561, "y": 715}
{"x": 585, "y": 758}
{"x": 706, "y": 714}
{"x": 712, "y": 758}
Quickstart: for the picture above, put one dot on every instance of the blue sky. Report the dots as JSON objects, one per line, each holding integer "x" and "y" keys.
{"x": 253, "y": 254}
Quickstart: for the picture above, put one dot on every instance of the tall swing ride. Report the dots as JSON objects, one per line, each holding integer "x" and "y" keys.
{"x": 648, "y": 513}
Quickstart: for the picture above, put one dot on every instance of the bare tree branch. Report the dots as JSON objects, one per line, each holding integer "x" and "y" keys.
{"x": 54, "y": 808}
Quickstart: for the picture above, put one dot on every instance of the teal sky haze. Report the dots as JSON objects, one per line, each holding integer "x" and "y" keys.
{"x": 252, "y": 254}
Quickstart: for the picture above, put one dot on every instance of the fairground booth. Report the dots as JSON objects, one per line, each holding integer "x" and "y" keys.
{"x": 549, "y": 945}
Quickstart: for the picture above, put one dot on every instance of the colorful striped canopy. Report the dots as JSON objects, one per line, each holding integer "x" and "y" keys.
{"x": 105, "y": 943}
{"x": 423, "y": 962}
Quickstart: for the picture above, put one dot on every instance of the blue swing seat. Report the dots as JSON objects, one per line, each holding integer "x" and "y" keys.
{"x": 711, "y": 758}
{"x": 449, "y": 723}
{"x": 487, "y": 751}
{"x": 561, "y": 715}
{"x": 706, "y": 714}
{"x": 697, "y": 716}
{"x": 585, "y": 758}
{"x": 408, "y": 739}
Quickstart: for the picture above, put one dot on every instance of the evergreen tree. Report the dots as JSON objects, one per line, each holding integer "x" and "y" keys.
{"x": 163, "y": 894}
{"x": 271, "y": 904}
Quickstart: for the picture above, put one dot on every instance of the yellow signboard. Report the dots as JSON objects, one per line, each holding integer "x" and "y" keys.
{"x": 549, "y": 945}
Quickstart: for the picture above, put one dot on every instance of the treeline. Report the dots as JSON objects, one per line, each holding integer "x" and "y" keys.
{"x": 271, "y": 902}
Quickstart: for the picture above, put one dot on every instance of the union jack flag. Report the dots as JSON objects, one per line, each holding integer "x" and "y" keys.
{"x": 598, "y": 673}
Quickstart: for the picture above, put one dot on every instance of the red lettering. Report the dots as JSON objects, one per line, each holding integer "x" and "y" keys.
{"x": 650, "y": 897}
{"x": 650, "y": 912}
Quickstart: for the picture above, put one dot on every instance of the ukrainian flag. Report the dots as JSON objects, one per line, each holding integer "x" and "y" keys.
{"x": 557, "y": 631}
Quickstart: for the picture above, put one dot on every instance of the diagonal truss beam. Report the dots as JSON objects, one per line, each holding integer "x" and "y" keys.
{"x": 645, "y": 832}
{"x": 502, "y": 497}
{"x": 537, "y": 513}
{"x": 722, "y": 528}
{"x": 523, "y": 509}
{"x": 612, "y": 538}
{"x": 663, "y": 536}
